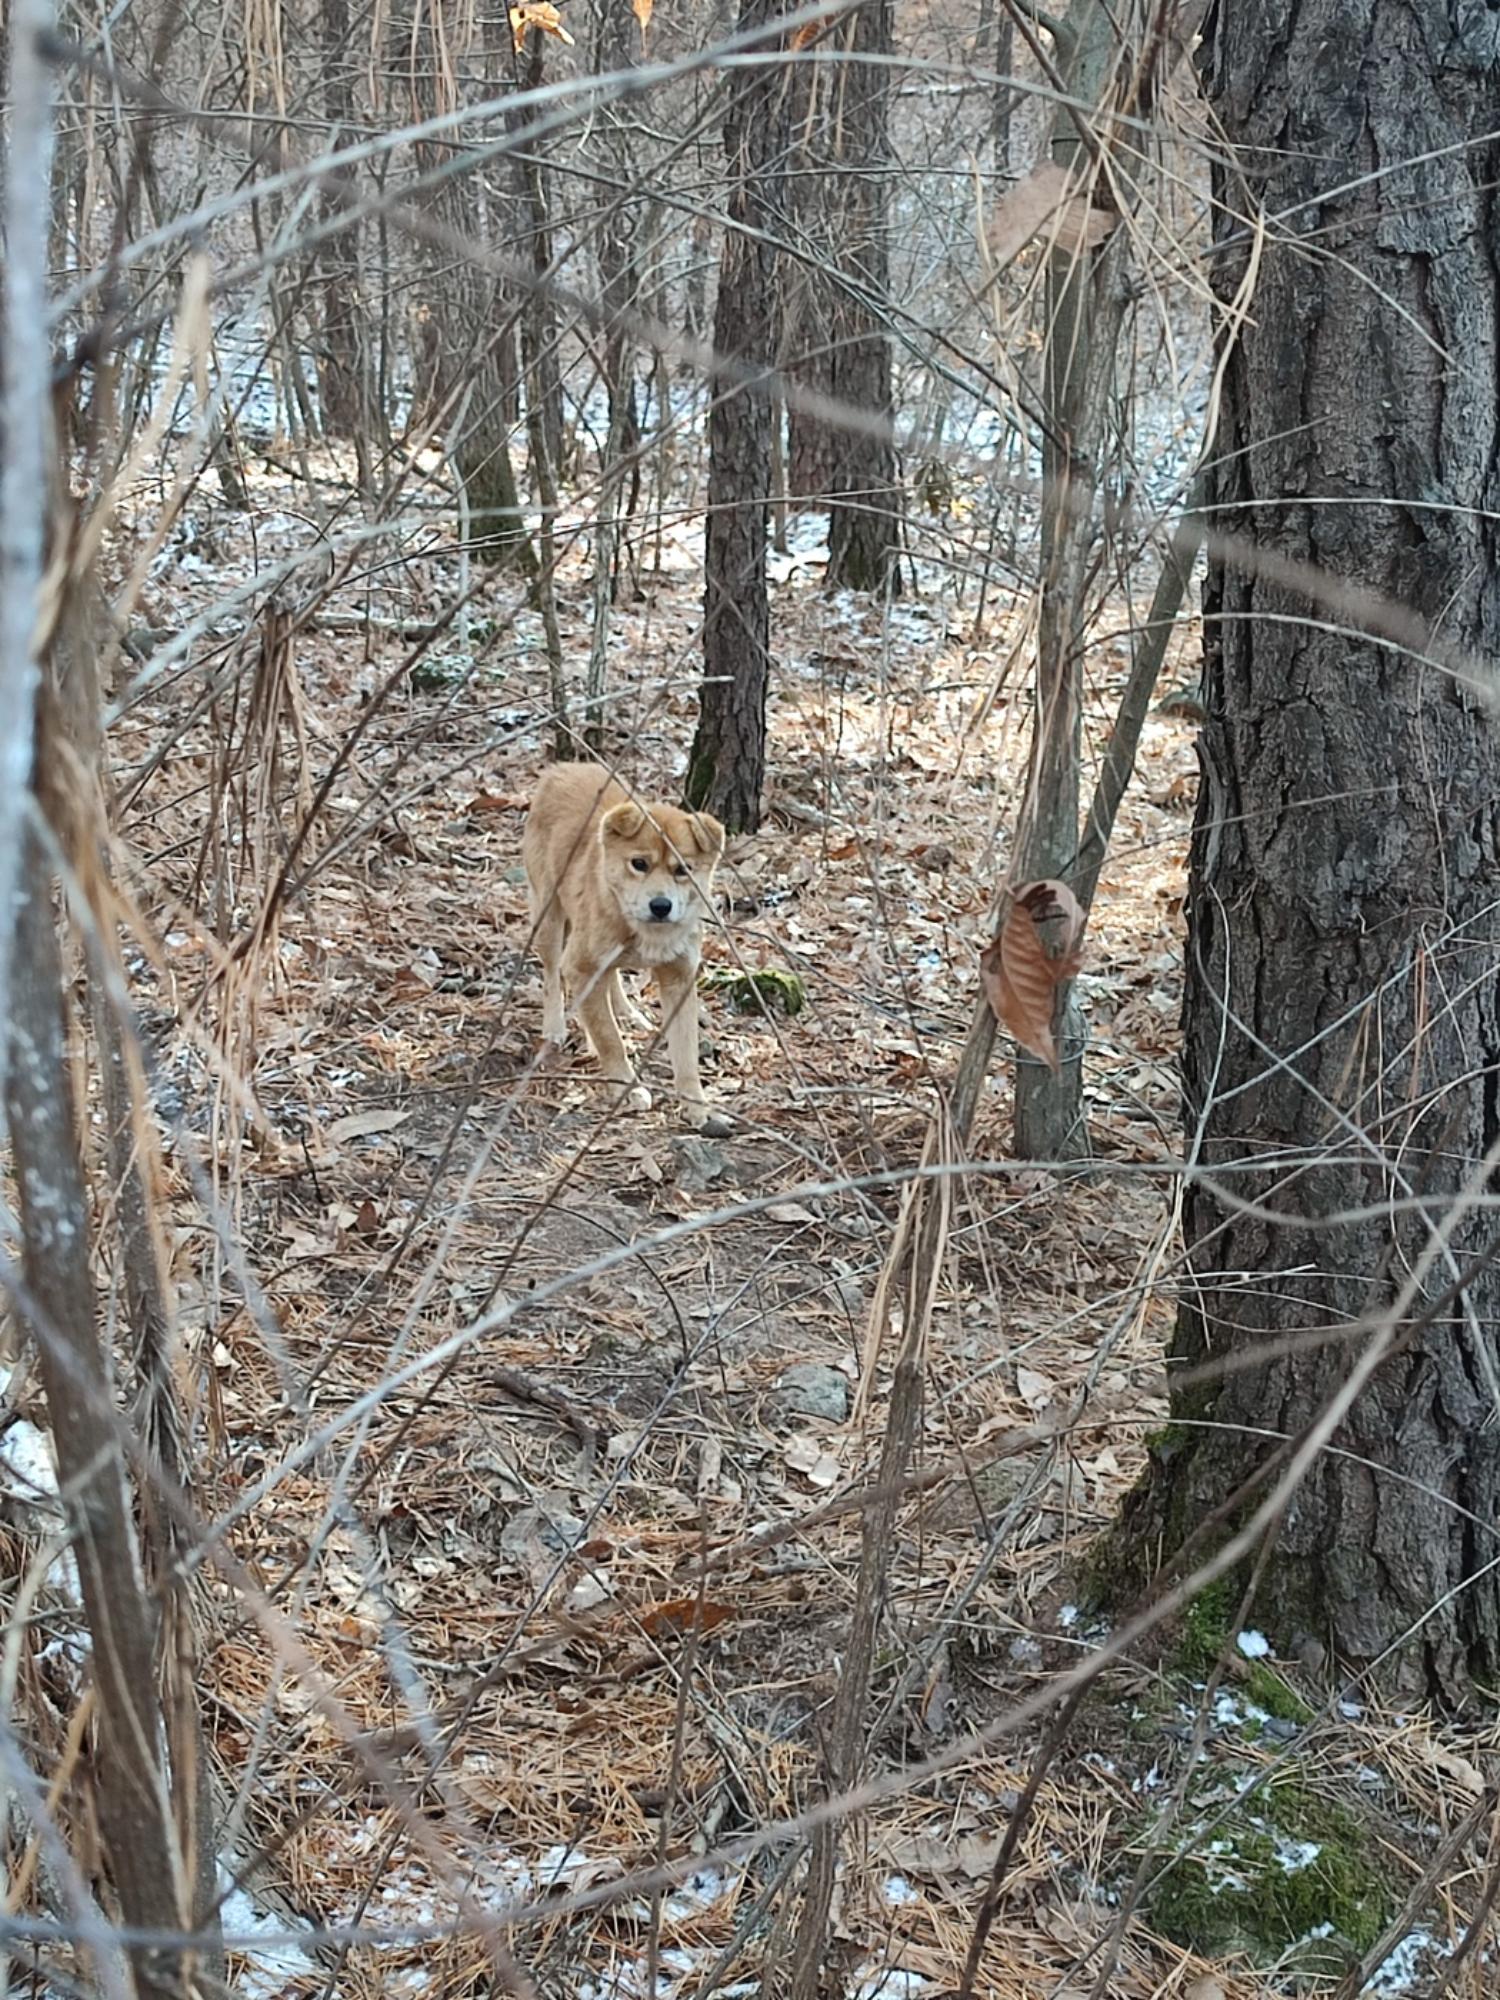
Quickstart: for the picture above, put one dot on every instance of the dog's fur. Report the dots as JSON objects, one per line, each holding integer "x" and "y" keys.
{"x": 619, "y": 886}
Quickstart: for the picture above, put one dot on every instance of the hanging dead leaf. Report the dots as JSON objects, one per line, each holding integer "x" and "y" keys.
{"x": 541, "y": 15}
{"x": 1045, "y": 202}
{"x": 642, "y": 12}
{"x": 1020, "y": 975}
{"x": 808, "y": 32}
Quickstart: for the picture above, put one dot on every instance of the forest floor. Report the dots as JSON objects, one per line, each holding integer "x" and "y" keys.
{"x": 606, "y": 1526}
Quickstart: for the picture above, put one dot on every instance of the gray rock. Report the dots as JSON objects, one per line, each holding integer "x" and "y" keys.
{"x": 699, "y": 1162}
{"x": 549, "y": 1528}
{"x": 808, "y": 1389}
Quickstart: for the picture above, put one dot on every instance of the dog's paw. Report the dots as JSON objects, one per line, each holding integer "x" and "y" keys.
{"x": 711, "y": 1124}
{"x": 550, "y": 1053}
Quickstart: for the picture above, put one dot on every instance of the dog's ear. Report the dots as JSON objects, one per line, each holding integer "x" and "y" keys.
{"x": 622, "y": 822}
{"x": 708, "y": 834}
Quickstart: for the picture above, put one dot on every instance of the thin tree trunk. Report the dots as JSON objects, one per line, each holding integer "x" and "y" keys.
{"x": 616, "y": 41}
{"x": 1085, "y": 306}
{"x": 346, "y": 392}
{"x": 1342, "y": 1013}
{"x": 864, "y": 520}
{"x": 726, "y": 768}
{"x": 130, "y": 1779}
{"x": 804, "y": 289}
{"x": 1002, "y": 105}
{"x": 543, "y": 397}
{"x": 25, "y": 402}
{"x": 1145, "y": 668}
{"x": 77, "y": 814}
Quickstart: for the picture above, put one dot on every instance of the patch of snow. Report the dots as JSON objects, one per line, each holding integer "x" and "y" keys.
{"x": 269, "y": 1968}
{"x": 1231, "y": 1713}
{"x": 691, "y": 1898}
{"x": 1292, "y": 1856}
{"x": 1254, "y": 1645}
{"x": 1409, "y": 1967}
{"x": 26, "y": 1457}
{"x": 626, "y": 1978}
{"x": 887, "y": 1982}
{"x": 569, "y": 1867}
{"x": 898, "y": 1891}
{"x": 1067, "y": 1616}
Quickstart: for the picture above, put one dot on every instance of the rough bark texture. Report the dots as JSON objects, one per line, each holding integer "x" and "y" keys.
{"x": 346, "y": 369}
{"x": 728, "y": 763}
{"x": 804, "y": 290}
{"x": 131, "y": 1791}
{"x": 71, "y": 796}
{"x": 1087, "y": 301}
{"x": 472, "y": 320}
{"x": 864, "y": 527}
{"x": 1344, "y": 864}
{"x": 616, "y": 44}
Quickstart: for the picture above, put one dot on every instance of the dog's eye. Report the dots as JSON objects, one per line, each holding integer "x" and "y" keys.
{"x": 680, "y": 871}
{"x": 640, "y": 864}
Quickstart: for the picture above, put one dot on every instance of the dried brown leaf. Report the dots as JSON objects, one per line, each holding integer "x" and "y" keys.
{"x": 541, "y": 15}
{"x": 1021, "y": 976}
{"x": 681, "y": 1614}
{"x": 805, "y": 1454}
{"x": 1037, "y": 1391}
{"x": 1044, "y": 200}
{"x": 364, "y": 1125}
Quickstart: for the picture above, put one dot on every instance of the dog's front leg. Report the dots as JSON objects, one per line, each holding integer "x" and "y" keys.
{"x": 625, "y": 1008}
{"x": 594, "y": 990}
{"x": 677, "y": 983}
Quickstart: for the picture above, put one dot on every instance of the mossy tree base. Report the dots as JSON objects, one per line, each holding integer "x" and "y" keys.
{"x": 1286, "y": 1871}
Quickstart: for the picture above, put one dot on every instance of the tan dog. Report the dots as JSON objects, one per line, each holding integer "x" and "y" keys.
{"x": 618, "y": 887}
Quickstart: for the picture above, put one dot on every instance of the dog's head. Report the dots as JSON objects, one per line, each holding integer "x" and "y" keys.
{"x": 658, "y": 863}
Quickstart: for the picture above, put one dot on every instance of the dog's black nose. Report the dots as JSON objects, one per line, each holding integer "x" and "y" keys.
{"x": 661, "y": 908}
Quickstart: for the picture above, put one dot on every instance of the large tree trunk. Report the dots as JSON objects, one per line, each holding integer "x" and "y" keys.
{"x": 728, "y": 763}
{"x": 1342, "y": 1019}
{"x": 864, "y": 519}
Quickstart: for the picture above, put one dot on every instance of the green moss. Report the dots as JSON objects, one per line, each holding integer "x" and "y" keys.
{"x": 1171, "y": 1437}
{"x": 759, "y": 990}
{"x": 1265, "y": 1687}
{"x": 1284, "y": 1865}
{"x": 1205, "y": 1626}
{"x": 436, "y": 673}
